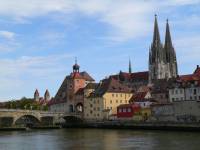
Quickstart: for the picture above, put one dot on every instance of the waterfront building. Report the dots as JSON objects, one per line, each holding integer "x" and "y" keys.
{"x": 186, "y": 87}
{"x": 162, "y": 59}
{"x": 70, "y": 95}
{"x": 143, "y": 99}
{"x": 103, "y": 101}
{"x": 127, "y": 111}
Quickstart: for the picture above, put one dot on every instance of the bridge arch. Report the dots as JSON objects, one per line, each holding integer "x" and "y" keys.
{"x": 27, "y": 120}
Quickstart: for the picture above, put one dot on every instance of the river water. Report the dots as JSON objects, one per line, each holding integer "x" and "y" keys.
{"x": 98, "y": 139}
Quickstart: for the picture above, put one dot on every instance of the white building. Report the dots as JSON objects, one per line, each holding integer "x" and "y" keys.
{"x": 186, "y": 87}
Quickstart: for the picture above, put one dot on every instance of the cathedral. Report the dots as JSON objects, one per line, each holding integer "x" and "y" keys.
{"x": 162, "y": 59}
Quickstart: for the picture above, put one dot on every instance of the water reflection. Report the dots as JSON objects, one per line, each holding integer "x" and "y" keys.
{"x": 86, "y": 139}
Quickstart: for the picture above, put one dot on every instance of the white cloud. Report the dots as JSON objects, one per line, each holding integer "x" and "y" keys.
{"x": 127, "y": 19}
{"x": 23, "y": 74}
{"x": 7, "y": 34}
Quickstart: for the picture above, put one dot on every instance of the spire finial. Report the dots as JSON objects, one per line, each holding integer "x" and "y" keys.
{"x": 75, "y": 60}
{"x": 76, "y": 66}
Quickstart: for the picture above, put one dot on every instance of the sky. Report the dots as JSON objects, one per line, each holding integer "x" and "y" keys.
{"x": 40, "y": 39}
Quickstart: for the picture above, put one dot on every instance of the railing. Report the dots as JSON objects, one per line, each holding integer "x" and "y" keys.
{"x": 30, "y": 111}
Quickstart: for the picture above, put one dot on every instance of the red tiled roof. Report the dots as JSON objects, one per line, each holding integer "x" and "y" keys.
{"x": 132, "y": 76}
{"x": 191, "y": 77}
{"x": 86, "y": 76}
{"x": 110, "y": 85}
{"x": 197, "y": 71}
{"x": 138, "y": 96}
{"x": 76, "y": 75}
{"x": 53, "y": 101}
{"x": 140, "y": 75}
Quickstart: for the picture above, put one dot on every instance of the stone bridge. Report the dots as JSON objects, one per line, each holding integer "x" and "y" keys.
{"x": 15, "y": 117}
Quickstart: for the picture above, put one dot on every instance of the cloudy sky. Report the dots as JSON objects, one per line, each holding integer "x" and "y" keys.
{"x": 39, "y": 39}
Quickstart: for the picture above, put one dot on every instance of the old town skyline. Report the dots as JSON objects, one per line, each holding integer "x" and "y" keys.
{"x": 28, "y": 63}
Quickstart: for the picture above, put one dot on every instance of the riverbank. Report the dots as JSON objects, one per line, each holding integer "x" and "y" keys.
{"x": 137, "y": 126}
{"x": 12, "y": 129}
{"x": 25, "y": 128}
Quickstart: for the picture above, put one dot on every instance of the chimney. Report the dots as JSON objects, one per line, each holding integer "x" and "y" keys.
{"x": 197, "y": 66}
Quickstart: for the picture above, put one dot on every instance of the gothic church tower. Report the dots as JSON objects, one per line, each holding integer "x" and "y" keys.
{"x": 162, "y": 60}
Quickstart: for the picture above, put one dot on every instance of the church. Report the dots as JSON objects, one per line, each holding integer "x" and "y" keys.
{"x": 162, "y": 59}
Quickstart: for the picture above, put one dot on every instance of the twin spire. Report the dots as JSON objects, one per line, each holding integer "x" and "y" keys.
{"x": 162, "y": 59}
{"x": 156, "y": 35}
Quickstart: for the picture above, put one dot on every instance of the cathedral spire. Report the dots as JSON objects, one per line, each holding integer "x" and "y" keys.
{"x": 129, "y": 67}
{"x": 168, "y": 41}
{"x": 156, "y": 34}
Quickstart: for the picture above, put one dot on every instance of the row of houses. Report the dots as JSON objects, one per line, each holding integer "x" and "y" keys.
{"x": 116, "y": 97}
{"x": 157, "y": 94}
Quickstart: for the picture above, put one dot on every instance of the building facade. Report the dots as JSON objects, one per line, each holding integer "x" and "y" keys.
{"x": 70, "y": 95}
{"x": 186, "y": 87}
{"x": 103, "y": 101}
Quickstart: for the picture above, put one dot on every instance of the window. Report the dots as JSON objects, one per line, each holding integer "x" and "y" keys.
{"x": 90, "y": 105}
{"x": 129, "y": 110}
{"x": 181, "y": 91}
{"x": 113, "y": 95}
{"x": 195, "y": 91}
{"x": 172, "y": 92}
{"x": 191, "y": 97}
{"x": 120, "y": 101}
{"x": 176, "y": 91}
{"x": 121, "y": 95}
{"x": 125, "y": 101}
{"x": 190, "y": 91}
{"x": 90, "y": 111}
{"x": 111, "y": 108}
{"x": 116, "y": 101}
{"x": 98, "y": 108}
{"x": 124, "y": 109}
{"x": 110, "y": 101}
{"x": 172, "y": 99}
{"x": 199, "y": 97}
{"x": 195, "y": 97}
{"x": 120, "y": 110}
{"x": 116, "y": 95}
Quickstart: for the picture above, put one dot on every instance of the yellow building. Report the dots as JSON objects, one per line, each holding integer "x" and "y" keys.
{"x": 103, "y": 101}
{"x": 142, "y": 115}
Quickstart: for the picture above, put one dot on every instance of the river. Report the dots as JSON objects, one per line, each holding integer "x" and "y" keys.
{"x": 98, "y": 139}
